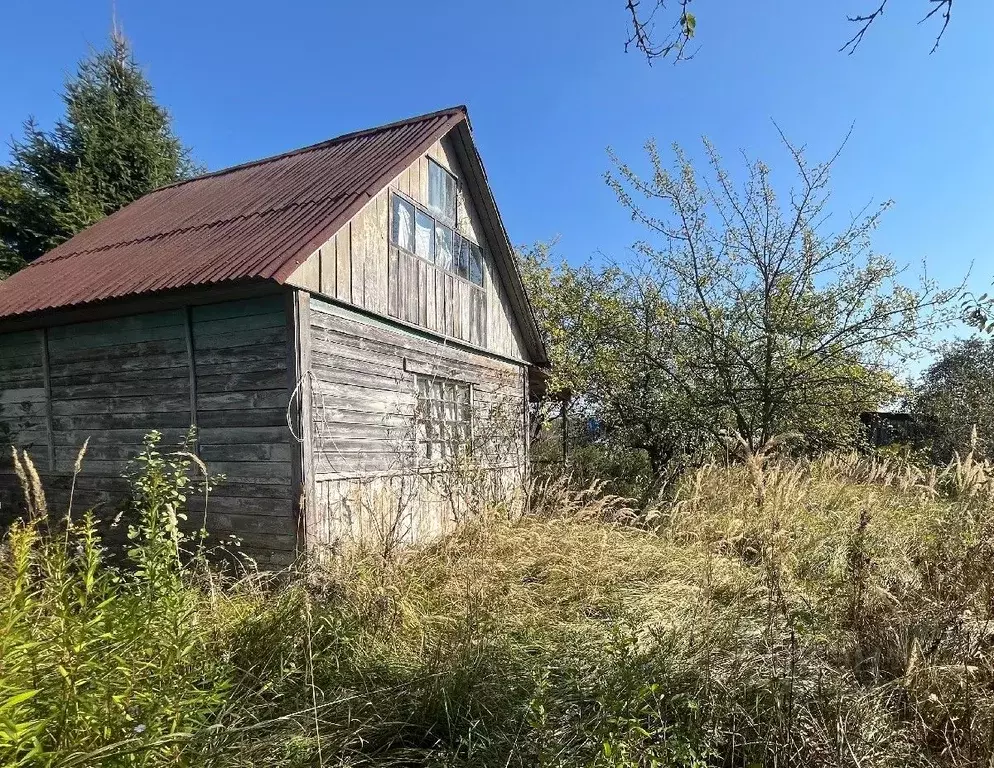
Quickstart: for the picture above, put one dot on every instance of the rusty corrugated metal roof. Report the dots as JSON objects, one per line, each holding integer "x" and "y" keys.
{"x": 254, "y": 221}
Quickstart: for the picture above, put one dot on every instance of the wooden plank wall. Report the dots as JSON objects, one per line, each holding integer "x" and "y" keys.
{"x": 368, "y": 478}
{"x": 422, "y": 294}
{"x": 501, "y": 332}
{"x": 113, "y": 381}
{"x": 358, "y": 266}
{"x": 240, "y": 358}
{"x": 23, "y": 413}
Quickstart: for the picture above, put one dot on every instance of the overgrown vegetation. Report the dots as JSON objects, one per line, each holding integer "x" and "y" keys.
{"x": 953, "y": 402}
{"x": 773, "y": 612}
{"x": 746, "y": 310}
{"x": 723, "y": 581}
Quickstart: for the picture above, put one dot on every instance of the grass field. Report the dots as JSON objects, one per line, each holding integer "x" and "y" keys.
{"x": 826, "y": 613}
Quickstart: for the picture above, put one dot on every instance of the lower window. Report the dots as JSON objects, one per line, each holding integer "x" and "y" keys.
{"x": 443, "y": 417}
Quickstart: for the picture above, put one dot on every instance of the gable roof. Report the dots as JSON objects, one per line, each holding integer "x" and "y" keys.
{"x": 256, "y": 221}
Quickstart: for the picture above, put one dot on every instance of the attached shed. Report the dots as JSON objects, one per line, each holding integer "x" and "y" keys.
{"x": 345, "y": 326}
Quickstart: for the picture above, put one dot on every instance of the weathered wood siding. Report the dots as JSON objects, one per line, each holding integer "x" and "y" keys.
{"x": 358, "y": 266}
{"x": 221, "y": 367}
{"x": 368, "y": 478}
{"x": 23, "y": 412}
{"x": 240, "y": 357}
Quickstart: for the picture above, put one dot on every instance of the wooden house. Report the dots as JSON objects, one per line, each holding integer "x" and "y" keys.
{"x": 345, "y": 325}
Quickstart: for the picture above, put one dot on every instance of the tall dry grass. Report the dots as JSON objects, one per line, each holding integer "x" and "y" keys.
{"x": 775, "y": 613}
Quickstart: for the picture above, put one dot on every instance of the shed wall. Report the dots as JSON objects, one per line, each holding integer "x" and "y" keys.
{"x": 221, "y": 367}
{"x": 369, "y": 480}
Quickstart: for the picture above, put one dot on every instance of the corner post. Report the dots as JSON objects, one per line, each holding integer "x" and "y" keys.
{"x": 298, "y": 309}
{"x": 192, "y": 366}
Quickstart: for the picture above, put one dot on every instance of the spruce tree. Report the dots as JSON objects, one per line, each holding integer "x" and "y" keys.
{"x": 113, "y": 145}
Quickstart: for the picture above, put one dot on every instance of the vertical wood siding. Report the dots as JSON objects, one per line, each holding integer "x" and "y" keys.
{"x": 359, "y": 266}
{"x": 113, "y": 381}
{"x": 368, "y": 478}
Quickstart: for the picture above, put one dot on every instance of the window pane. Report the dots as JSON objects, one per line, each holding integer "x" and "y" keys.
{"x": 462, "y": 265}
{"x": 443, "y": 246}
{"x": 438, "y": 411}
{"x": 441, "y": 191}
{"x": 424, "y": 236}
{"x": 475, "y": 264}
{"x": 444, "y": 417}
{"x": 402, "y": 226}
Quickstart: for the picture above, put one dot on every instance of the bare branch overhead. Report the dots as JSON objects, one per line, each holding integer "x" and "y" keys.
{"x": 662, "y": 28}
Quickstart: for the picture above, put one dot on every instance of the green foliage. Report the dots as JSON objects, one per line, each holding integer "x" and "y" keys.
{"x": 102, "y": 664}
{"x": 609, "y": 336}
{"x": 953, "y": 402}
{"x": 113, "y": 145}
{"x": 743, "y": 315}
{"x": 839, "y": 617}
{"x": 777, "y": 323}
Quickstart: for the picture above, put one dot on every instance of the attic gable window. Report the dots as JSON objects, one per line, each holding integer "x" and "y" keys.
{"x": 428, "y": 237}
{"x": 442, "y": 193}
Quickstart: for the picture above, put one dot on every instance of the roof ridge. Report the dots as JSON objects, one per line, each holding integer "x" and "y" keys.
{"x": 320, "y": 145}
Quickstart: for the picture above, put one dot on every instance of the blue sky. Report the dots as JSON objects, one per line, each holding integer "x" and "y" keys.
{"x": 549, "y": 88}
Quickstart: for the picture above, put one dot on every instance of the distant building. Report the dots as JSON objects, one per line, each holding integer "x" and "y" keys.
{"x": 888, "y": 427}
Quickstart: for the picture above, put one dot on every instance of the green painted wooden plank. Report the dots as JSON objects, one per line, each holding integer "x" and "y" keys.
{"x": 131, "y": 437}
{"x": 145, "y": 321}
{"x": 146, "y": 421}
{"x": 116, "y": 403}
{"x": 119, "y": 389}
{"x": 264, "y": 365}
{"x": 222, "y": 325}
{"x": 258, "y": 417}
{"x": 237, "y": 401}
{"x": 259, "y": 305}
{"x": 210, "y": 452}
{"x": 236, "y": 339}
{"x": 244, "y": 434}
{"x": 116, "y": 338}
{"x": 242, "y": 382}
{"x": 118, "y": 377}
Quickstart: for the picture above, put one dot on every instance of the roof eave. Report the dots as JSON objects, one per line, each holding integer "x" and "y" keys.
{"x": 511, "y": 272}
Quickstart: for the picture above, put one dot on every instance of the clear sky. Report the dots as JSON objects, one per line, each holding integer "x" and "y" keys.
{"x": 549, "y": 88}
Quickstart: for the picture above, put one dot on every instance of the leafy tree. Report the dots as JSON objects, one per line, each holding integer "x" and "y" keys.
{"x": 113, "y": 145}
{"x": 954, "y": 397}
{"x": 978, "y": 311}
{"x": 681, "y": 25}
{"x": 776, "y": 323}
{"x": 606, "y": 331}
